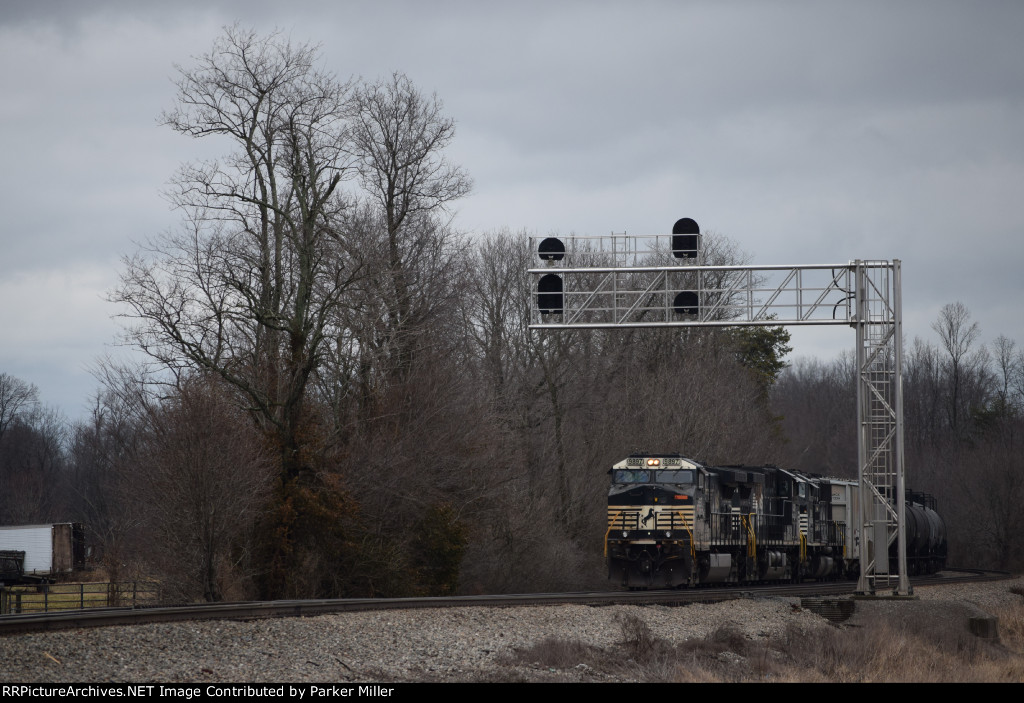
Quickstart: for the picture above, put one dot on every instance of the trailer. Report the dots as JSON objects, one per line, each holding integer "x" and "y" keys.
{"x": 12, "y": 568}
{"x": 49, "y": 550}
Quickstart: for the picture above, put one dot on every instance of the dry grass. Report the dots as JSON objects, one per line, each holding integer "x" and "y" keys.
{"x": 910, "y": 649}
{"x": 1011, "y": 627}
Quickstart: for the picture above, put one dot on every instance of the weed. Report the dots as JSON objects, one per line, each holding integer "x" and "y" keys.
{"x": 559, "y": 653}
{"x": 636, "y": 635}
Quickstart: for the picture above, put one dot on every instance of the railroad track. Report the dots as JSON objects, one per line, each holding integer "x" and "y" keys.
{"x": 103, "y": 617}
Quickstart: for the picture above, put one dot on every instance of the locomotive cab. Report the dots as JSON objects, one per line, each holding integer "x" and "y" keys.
{"x": 652, "y": 513}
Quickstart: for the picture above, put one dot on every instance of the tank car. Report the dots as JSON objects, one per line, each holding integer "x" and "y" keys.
{"x": 675, "y": 522}
{"x": 925, "y": 533}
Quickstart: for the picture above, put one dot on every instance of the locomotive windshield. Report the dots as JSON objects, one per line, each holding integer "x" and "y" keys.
{"x": 632, "y": 476}
{"x": 680, "y": 476}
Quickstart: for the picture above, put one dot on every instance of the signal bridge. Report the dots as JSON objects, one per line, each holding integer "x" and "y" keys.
{"x": 628, "y": 281}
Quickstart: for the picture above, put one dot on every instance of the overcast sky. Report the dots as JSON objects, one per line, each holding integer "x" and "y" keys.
{"x": 809, "y": 132}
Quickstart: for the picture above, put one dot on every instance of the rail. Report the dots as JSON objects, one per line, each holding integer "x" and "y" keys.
{"x": 74, "y": 619}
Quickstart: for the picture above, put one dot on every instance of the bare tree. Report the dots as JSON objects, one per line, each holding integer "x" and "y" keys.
{"x": 957, "y": 335}
{"x": 498, "y": 312}
{"x": 247, "y": 290}
{"x": 1010, "y": 367}
{"x": 400, "y": 136}
{"x": 16, "y": 397}
{"x": 923, "y": 396}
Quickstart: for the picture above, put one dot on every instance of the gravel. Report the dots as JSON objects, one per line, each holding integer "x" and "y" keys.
{"x": 457, "y": 644}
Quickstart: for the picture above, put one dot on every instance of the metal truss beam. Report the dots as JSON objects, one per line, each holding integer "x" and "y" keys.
{"x": 604, "y": 297}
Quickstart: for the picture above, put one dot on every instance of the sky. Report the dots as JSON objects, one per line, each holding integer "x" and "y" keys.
{"x": 807, "y": 132}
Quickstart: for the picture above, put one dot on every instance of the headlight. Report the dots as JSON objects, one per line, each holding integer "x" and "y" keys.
{"x": 625, "y": 534}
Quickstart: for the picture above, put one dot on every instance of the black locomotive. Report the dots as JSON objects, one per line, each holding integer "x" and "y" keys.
{"x": 674, "y": 522}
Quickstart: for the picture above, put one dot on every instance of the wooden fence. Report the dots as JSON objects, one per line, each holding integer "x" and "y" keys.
{"x": 77, "y": 596}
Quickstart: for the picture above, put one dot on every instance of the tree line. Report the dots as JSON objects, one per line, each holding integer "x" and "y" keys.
{"x": 343, "y": 398}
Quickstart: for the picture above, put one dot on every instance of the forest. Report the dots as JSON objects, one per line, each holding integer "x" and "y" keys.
{"x": 341, "y": 396}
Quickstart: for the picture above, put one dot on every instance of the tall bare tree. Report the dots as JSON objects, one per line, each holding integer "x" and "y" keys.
{"x": 283, "y": 284}
{"x": 247, "y": 290}
{"x": 1009, "y": 364}
{"x": 400, "y": 136}
{"x": 958, "y": 335}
